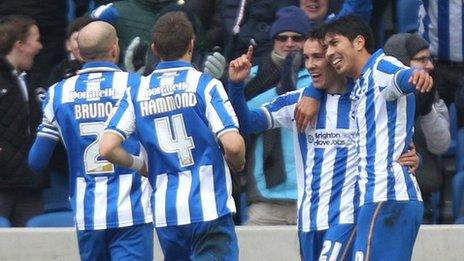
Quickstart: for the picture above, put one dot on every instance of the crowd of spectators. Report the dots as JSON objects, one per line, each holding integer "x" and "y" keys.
{"x": 224, "y": 30}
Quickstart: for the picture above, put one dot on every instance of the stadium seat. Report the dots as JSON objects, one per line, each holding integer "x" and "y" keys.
{"x": 4, "y": 222}
{"x": 55, "y": 219}
{"x": 460, "y": 150}
{"x": 459, "y": 220}
{"x": 458, "y": 193}
{"x": 55, "y": 198}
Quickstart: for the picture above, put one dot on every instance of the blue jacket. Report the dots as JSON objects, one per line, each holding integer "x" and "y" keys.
{"x": 287, "y": 190}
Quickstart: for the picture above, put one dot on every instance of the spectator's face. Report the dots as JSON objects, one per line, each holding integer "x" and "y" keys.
{"x": 318, "y": 67}
{"x": 29, "y": 48}
{"x": 287, "y": 42}
{"x": 422, "y": 60}
{"x": 316, "y": 10}
{"x": 341, "y": 54}
{"x": 72, "y": 47}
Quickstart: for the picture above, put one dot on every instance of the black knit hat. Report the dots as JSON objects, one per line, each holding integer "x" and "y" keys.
{"x": 404, "y": 46}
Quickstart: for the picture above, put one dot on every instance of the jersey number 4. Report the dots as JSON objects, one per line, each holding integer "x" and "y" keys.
{"x": 180, "y": 143}
{"x": 94, "y": 165}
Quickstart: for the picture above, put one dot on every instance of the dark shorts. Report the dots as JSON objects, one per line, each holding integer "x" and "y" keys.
{"x": 211, "y": 240}
{"x": 335, "y": 243}
{"x": 387, "y": 230}
{"x": 127, "y": 243}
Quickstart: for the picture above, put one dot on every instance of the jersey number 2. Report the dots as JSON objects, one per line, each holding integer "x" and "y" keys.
{"x": 92, "y": 164}
{"x": 180, "y": 144}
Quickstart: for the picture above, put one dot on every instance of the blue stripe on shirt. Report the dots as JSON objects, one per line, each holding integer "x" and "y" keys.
{"x": 426, "y": 21}
{"x": 343, "y": 113}
{"x": 391, "y": 125}
{"x": 302, "y": 140}
{"x": 112, "y": 193}
{"x": 89, "y": 203}
{"x": 81, "y": 86}
{"x": 218, "y": 105}
{"x": 338, "y": 180}
{"x": 316, "y": 183}
{"x": 136, "y": 197}
{"x": 410, "y": 117}
{"x": 322, "y": 115}
{"x": 462, "y": 33}
{"x": 195, "y": 209}
{"x": 107, "y": 81}
{"x": 171, "y": 199}
{"x": 443, "y": 30}
{"x": 370, "y": 140}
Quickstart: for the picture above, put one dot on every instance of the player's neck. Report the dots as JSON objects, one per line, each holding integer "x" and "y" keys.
{"x": 187, "y": 57}
{"x": 337, "y": 85}
{"x": 360, "y": 62}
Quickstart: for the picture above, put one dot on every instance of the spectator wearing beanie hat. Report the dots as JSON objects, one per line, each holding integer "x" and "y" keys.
{"x": 405, "y": 47}
{"x": 291, "y": 19}
{"x": 271, "y": 174}
{"x": 289, "y": 31}
{"x": 432, "y": 136}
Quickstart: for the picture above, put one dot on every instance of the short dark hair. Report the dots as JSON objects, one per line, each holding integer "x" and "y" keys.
{"x": 78, "y": 24}
{"x": 13, "y": 28}
{"x": 172, "y": 34}
{"x": 317, "y": 33}
{"x": 351, "y": 26}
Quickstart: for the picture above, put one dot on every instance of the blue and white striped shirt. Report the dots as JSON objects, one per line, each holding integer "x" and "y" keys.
{"x": 325, "y": 157}
{"x": 179, "y": 113}
{"x": 441, "y": 24}
{"x": 385, "y": 129}
{"x": 102, "y": 195}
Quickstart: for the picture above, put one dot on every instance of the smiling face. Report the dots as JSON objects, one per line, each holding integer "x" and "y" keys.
{"x": 341, "y": 54}
{"x": 316, "y": 10}
{"x": 322, "y": 73}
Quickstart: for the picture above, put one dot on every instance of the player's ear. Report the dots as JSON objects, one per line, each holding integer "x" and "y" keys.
{"x": 191, "y": 46}
{"x": 153, "y": 49}
{"x": 359, "y": 43}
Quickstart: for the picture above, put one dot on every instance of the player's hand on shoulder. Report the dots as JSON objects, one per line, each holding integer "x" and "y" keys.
{"x": 305, "y": 113}
{"x": 422, "y": 80}
{"x": 239, "y": 69}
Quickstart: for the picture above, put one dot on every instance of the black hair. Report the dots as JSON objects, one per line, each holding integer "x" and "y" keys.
{"x": 351, "y": 26}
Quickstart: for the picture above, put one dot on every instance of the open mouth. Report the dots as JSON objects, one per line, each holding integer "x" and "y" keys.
{"x": 313, "y": 7}
{"x": 315, "y": 76}
{"x": 336, "y": 62}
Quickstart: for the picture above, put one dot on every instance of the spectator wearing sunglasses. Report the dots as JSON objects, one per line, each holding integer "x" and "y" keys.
{"x": 271, "y": 179}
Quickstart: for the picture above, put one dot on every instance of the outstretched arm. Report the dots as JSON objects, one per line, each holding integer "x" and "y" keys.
{"x": 407, "y": 81}
{"x": 251, "y": 121}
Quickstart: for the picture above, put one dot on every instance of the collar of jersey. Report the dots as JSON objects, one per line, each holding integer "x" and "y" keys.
{"x": 99, "y": 66}
{"x": 371, "y": 60}
{"x": 179, "y": 65}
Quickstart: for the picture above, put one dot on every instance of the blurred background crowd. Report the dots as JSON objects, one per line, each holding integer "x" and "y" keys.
{"x": 422, "y": 34}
